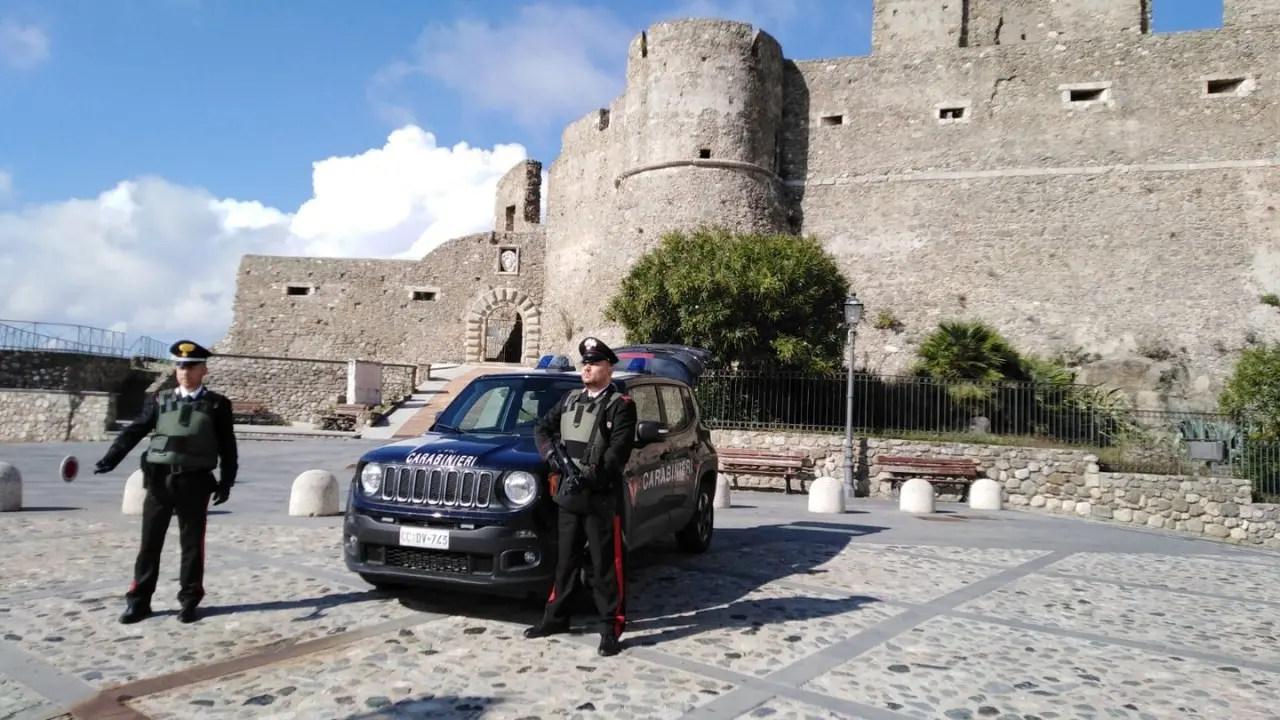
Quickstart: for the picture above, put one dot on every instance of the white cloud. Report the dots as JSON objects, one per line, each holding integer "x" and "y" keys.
{"x": 549, "y": 62}
{"x": 22, "y": 47}
{"x": 6, "y": 186}
{"x": 153, "y": 257}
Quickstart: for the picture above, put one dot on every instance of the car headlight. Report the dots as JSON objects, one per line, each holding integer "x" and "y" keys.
{"x": 520, "y": 488}
{"x": 371, "y": 479}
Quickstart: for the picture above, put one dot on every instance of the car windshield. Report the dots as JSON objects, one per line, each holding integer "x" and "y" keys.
{"x": 504, "y": 404}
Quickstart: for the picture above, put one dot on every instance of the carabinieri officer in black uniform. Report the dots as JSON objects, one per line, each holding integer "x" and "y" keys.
{"x": 194, "y": 433}
{"x": 597, "y": 425}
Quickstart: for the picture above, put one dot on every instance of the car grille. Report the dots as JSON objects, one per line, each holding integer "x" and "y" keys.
{"x": 428, "y": 560}
{"x": 437, "y": 487}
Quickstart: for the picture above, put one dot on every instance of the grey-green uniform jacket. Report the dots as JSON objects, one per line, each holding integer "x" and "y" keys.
{"x": 606, "y": 463}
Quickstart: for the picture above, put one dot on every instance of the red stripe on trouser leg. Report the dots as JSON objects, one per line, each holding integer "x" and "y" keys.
{"x": 619, "y": 621}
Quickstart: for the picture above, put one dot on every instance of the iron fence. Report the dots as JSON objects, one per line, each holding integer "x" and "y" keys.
{"x": 1006, "y": 413}
{"x": 81, "y": 339}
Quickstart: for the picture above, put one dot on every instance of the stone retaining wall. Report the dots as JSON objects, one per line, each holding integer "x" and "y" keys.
{"x": 1050, "y": 480}
{"x": 293, "y": 390}
{"x": 297, "y": 390}
{"x": 39, "y": 416}
{"x": 34, "y": 370}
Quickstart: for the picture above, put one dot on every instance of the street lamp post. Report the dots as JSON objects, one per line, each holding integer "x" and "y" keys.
{"x": 852, "y": 316}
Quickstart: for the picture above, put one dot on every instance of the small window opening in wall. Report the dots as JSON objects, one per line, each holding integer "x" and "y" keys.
{"x": 511, "y": 218}
{"x": 951, "y": 113}
{"x": 1086, "y": 94}
{"x": 297, "y": 290}
{"x": 830, "y": 120}
{"x": 705, "y": 153}
{"x": 1224, "y": 86}
{"x": 424, "y": 295}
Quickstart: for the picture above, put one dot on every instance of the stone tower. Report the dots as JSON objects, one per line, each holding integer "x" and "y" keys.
{"x": 695, "y": 137}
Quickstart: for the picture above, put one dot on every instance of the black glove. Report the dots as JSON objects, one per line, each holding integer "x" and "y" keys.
{"x": 222, "y": 493}
{"x": 102, "y": 466}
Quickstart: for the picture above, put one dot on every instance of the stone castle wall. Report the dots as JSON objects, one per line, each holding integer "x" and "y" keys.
{"x": 398, "y": 311}
{"x": 1046, "y": 480}
{"x": 966, "y": 182}
{"x": 35, "y": 370}
{"x": 1093, "y": 190}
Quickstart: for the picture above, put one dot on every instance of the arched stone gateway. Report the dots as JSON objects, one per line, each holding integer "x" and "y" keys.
{"x": 504, "y": 325}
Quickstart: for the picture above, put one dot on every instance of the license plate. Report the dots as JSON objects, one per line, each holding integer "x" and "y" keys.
{"x": 424, "y": 538}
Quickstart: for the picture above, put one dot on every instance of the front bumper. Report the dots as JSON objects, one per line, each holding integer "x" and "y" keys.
{"x": 512, "y": 558}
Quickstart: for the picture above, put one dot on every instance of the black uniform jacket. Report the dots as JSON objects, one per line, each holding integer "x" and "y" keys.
{"x": 606, "y": 462}
{"x": 223, "y": 426}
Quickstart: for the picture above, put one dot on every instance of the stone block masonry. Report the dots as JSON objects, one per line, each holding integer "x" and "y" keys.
{"x": 396, "y": 311}
{"x": 48, "y": 416}
{"x": 33, "y": 370}
{"x": 1060, "y": 481}
{"x": 296, "y": 390}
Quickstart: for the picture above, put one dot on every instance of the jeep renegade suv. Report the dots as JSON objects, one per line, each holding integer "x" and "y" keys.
{"x": 468, "y": 503}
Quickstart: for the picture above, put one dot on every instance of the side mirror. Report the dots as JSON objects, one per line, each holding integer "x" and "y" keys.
{"x": 651, "y": 431}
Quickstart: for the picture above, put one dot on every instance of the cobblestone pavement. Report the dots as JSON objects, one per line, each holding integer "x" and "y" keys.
{"x": 872, "y": 615}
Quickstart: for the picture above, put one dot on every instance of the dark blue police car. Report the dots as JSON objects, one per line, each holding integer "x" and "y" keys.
{"x": 468, "y": 504}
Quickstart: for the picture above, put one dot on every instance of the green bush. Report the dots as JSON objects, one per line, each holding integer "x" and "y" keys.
{"x": 765, "y": 302}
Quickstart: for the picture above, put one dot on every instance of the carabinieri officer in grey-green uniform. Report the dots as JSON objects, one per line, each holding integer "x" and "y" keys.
{"x": 597, "y": 426}
{"x": 193, "y": 434}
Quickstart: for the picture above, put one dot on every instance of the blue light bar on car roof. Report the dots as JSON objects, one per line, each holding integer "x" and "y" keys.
{"x": 554, "y": 362}
{"x": 637, "y": 365}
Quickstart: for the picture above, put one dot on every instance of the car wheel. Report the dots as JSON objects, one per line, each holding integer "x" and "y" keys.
{"x": 696, "y": 536}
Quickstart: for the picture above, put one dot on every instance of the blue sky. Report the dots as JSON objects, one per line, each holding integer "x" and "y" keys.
{"x": 127, "y": 123}
{"x": 240, "y": 96}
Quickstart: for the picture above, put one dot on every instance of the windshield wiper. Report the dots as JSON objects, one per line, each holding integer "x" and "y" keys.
{"x": 450, "y": 428}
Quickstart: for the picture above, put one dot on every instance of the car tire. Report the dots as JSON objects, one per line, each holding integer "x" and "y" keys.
{"x": 696, "y": 536}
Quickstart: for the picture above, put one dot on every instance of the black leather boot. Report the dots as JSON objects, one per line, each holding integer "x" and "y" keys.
{"x": 543, "y": 629}
{"x": 609, "y": 645}
{"x": 188, "y": 614}
{"x": 135, "y": 611}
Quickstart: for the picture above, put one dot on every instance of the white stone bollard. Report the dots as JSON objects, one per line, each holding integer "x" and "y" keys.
{"x": 826, "y": 496}
{"x": 722, "y": 499}
{"x": 10, "y": 488}
{"x": 986, "y": 494}
{"x": 315, "y": 493}
{"x": 134, "y": 494}
{"x": 916, "y": 497}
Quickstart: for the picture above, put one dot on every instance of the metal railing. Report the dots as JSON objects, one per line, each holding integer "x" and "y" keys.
{"x": 80, "y": 339}
{"x": 1004, "y": 413}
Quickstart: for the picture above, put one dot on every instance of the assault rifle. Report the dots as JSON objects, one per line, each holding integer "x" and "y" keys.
{"x": 569, "y": 491}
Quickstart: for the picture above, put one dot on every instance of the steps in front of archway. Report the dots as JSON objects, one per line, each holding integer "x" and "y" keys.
{"x": 421, "y": 420}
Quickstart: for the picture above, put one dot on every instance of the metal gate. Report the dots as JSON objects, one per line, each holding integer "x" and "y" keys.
{"x": 503, "y": 337}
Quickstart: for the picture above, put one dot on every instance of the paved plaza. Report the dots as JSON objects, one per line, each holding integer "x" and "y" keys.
{"x": 871, "y": 614}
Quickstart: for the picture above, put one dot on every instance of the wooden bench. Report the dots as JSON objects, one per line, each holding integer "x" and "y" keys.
{"x": 960, "y": 472}
{"x": 250, "y": 412}
{"x": 346, "y": 417}
{"x": 787, "y": 466}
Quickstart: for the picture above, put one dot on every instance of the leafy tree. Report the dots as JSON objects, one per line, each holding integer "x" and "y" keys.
{"x": 765, "y": 302}
{"x": 1253, "y": 391}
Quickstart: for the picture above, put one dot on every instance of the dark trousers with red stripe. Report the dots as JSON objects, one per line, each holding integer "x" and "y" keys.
{"x": 187, "y": 496}
{"x": 602, "y": 532}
